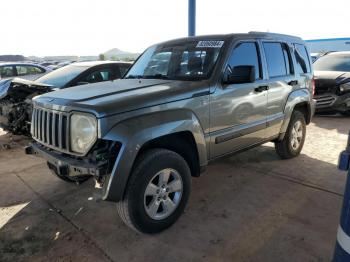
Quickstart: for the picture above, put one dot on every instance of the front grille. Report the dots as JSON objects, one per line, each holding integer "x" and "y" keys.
{"x": 51, "y": 128}
{"x": 325, "y": 100}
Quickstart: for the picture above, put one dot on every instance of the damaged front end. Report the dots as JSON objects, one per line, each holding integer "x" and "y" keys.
{"x": 16, "y": 104}
{"x": 98, "y": 163}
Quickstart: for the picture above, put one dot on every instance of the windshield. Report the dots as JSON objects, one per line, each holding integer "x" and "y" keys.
{"x": 61, "y": 76}
{"x": 193, "y": 60}
{"x": 333, "y": 63}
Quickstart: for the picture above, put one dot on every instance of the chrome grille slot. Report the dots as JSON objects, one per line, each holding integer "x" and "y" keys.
{"x": 51, "y": 128}
{"x": 325, "y": 100}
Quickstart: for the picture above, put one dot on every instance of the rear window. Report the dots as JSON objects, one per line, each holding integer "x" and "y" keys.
{"x": 302, "y": 59}
{"x": 277, "y": 58}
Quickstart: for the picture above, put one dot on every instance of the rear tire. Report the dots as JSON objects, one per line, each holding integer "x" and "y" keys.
{"x": 157, "y": 192}
{"x": 294, "y": 139}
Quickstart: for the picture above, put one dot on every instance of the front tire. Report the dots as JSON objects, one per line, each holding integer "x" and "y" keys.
{"x": 294, "y": 139}
{"x": 157, "y": 192}
{"x": 345, "y": 113}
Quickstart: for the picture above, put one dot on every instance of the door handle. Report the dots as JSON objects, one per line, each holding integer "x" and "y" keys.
{"x": 293, "y": 82}
{"x": 261, "y": 89}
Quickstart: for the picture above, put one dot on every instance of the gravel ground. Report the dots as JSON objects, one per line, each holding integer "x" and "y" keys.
{"x": 249, "y": 207}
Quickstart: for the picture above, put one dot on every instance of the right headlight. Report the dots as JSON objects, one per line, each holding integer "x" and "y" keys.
{"x": 83, "y": 132}
{"x": 344, "y": 87}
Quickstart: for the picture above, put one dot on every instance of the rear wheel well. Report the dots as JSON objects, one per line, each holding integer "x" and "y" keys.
{"x": 182, "y": 143}
{"x": 305, "y": 110}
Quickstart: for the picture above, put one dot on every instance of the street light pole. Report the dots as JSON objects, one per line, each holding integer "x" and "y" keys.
{"x": 191, "y": 17}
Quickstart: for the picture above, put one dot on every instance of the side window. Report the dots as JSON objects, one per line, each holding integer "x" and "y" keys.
{"x": 100, "y": 75}
{"x": 6, "y": 71}
{"x": 288, "y": 59}
{"x": 33, "y": 70}
{"x": 246, "y": 54}
{"x": 22, "y": 70}
{"x": 277, "y": 64}
{"x": 302, "y": 58}
{"x": 28, "y": 70}
{"x": 123, "y": 69}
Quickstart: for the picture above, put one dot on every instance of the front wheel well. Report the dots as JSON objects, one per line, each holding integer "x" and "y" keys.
{"x": 183, "y": 143}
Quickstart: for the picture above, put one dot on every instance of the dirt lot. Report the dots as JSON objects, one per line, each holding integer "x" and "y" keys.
{"x": 250, "y": 207}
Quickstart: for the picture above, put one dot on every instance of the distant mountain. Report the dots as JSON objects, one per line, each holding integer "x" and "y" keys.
{"x": 117, "y": 54}
{"x": 13, "y": 58}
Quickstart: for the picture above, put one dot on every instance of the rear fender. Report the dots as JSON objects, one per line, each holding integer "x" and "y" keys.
{"x": 299, "y": 96}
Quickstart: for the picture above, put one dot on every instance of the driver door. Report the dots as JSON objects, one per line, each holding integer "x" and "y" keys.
{"x": 238, "y": 110}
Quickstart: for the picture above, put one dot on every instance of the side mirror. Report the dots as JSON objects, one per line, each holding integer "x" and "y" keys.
{"x": 239, "y": 75}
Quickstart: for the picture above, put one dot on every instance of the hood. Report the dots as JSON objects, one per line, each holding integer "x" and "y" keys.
{"x": 27, "y": 87}
{"x": 120, "y": 95}
{"x": 327, "y": 81}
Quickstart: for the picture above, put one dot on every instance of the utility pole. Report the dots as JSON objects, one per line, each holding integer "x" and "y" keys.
{"x": 191, "y": 17}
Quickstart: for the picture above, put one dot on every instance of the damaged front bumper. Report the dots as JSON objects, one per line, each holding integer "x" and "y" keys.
{"x": 66, "y": 166}
{"x": 332, "y": 103}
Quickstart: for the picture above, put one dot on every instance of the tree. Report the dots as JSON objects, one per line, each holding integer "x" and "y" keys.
{"x": 102, "y": 57}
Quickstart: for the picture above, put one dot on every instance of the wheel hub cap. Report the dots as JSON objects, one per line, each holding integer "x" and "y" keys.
{"x": 163, "y": 194}
{"x": 297, "y": 135}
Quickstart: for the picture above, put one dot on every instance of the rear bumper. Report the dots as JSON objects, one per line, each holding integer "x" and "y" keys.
{"x": 64, "y": 165}
{"x": 332, "y": 103}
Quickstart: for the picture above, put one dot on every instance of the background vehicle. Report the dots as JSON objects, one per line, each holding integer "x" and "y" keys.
{"x": 16, "y": 95}
{"x": 332, "y": 81}
{"x": 23, "y": 70}
{"x": 183, "y": 104}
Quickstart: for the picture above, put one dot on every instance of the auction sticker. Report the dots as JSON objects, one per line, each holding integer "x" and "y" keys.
{"x": 210, "y": 44}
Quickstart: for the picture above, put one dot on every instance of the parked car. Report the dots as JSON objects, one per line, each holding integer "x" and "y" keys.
{"x": 29, "y": 71}
{"x": 332, "y": 81}
{"x": 16, "y": 94}
{"x": 183, "y": 104}
{"x": 314, "y": 57}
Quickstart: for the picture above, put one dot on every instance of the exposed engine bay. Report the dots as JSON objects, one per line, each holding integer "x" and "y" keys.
{"x": 16, "y": 104}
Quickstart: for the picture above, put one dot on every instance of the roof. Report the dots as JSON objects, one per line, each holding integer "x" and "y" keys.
{"x": 20, "y": 63}
{"x": 95, "y": 63}
{"x": 236, "y": 35}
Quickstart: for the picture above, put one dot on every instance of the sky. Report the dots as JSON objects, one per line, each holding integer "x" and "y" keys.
{"x": 91, "y": 27}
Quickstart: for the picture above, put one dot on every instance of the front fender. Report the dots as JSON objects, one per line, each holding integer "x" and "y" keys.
{"x": 299, "y": 96}
{"x": 135, "y": 132}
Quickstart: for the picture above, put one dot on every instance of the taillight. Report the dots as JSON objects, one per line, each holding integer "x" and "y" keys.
{"x": 313, "y": 85}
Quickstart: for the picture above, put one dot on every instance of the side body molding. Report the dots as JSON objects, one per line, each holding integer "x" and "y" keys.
{"x": 135, "y": 132}
{"x": 299, "y": 96}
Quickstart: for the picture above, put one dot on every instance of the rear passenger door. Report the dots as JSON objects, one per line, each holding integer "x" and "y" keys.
{"x": 280, "y": 71}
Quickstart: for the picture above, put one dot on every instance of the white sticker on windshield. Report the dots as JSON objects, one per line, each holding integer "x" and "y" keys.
{"x": 211, "y": 44}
